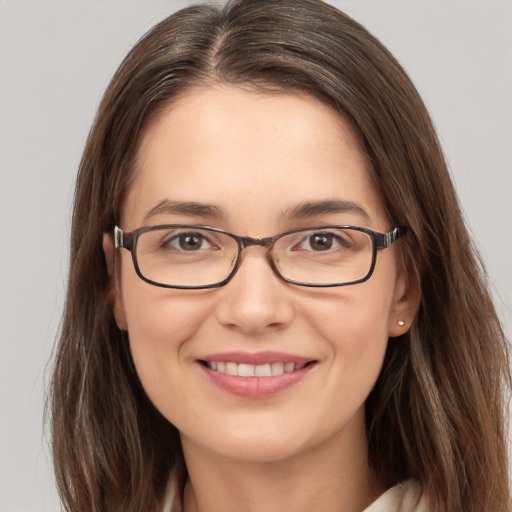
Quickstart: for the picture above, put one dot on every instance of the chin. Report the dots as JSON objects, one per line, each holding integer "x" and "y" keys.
{"x": 246, "y": 449}
{"x": 267, "y": 439}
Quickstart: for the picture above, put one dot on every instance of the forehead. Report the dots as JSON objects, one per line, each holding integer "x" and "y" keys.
{"x": 249, "y": 154}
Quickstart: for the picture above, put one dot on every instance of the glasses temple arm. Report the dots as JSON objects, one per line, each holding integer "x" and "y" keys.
{"x": 122, "y": 239}
{"x": 384, "y": 240}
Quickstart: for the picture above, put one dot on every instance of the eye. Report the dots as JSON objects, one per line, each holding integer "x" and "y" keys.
{"x": 323, "y": 241}
{"x": 189, "y": 242}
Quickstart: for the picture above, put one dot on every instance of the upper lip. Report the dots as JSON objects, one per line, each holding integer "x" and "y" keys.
{"x": 256, "y": 358}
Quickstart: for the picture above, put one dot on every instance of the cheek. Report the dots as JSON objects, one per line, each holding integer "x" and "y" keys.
{"x": 353, "y": 327}
{"x": 159, "y": 324}
{"x": 352, "y": 320}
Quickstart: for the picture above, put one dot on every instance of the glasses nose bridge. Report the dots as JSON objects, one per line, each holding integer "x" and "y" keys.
{"x": 265, "y": 243}
{"x": 247, "y": 241}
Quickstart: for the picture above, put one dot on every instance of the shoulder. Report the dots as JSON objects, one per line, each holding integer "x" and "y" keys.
{"x": 404, "y": 497}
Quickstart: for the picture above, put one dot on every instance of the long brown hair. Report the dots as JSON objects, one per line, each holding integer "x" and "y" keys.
{"x": 436, "y": 413}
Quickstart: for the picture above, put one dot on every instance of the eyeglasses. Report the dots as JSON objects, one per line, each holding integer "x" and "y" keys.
{"x": 197, "y": 257}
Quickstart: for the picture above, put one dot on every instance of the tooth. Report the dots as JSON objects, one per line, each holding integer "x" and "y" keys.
{"x": 277, "y": 368}
{"x": 250, "y": 370}
{"x": 246, "y": 370}
{"x": 231, "y": 368}
{"x": 289, "y": 367}
{"x": 262, "y": 370}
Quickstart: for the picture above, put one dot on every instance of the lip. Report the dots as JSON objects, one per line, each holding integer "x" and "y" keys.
{"x": 256, "y": 387}
{"x": 263, "y": 357}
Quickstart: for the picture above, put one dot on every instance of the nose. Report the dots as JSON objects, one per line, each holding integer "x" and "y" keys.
{"x": 256, "y": 300}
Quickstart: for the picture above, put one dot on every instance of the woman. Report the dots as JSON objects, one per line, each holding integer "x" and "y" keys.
{"x": 273, "y": 299}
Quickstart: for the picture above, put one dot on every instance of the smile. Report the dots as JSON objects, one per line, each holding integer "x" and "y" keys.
{"x": 251, "y": 370}
{"x": 255, "y": 375}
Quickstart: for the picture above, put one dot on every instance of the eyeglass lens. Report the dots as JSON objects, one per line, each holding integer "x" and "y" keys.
{"x": 199, "y": 257}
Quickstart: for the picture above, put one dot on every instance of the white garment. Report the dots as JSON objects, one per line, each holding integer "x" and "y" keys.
{"x": 404, "y": 497}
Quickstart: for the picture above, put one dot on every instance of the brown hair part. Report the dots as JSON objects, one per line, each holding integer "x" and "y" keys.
{"x": 436, "y": 413}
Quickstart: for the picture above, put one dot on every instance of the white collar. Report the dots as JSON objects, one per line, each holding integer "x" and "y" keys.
{"x": 404, "y": 497}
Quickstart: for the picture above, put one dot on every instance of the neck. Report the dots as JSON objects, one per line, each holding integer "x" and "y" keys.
{"x": 332, "y": 477}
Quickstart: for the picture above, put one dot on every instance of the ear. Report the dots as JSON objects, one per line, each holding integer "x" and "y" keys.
{"x": 115, "y": 293}
{"x": 405, "y": 304}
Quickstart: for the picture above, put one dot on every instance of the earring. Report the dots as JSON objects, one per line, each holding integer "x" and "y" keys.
{"x": 401, "y": 323}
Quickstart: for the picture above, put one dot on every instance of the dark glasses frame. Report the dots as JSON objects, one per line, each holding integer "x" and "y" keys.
{"x": 128, "y": 240}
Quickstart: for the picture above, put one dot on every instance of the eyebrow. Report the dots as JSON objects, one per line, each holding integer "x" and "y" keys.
{"x": 187, "y": 208}
{"x": 301, "y": 211}
{"x": 314, "y": 208}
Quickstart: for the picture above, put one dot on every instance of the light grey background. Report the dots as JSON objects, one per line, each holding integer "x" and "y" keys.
{"x": 56, "y": 58}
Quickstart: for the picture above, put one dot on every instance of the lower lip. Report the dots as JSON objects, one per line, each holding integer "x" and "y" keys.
{"x": 256, "y": 387}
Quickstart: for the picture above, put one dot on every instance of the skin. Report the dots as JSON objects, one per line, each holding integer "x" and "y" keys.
{"x": 255, "y": 157}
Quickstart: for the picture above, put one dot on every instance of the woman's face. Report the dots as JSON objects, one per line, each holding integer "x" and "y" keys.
{"x": 258, "y": 165}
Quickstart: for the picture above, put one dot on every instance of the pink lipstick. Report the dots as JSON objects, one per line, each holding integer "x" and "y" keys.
{"x": 255, "y": 375}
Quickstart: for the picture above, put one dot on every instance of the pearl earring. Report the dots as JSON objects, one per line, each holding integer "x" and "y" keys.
{"x": 401, "y": 323}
